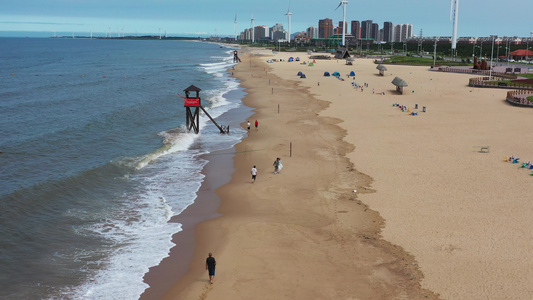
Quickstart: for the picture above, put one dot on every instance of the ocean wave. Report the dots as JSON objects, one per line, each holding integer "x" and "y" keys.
{"x": 95, "y": 230}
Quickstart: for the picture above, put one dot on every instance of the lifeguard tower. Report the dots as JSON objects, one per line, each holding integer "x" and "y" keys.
{"x": 194, "y": 103}
{"x": 236, "y": 58}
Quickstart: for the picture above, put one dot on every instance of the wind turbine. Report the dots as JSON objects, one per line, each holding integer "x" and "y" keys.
{"x": 289, "y": 14}
{"x": 454, "y": 17}
{"x": 344, "y": 3}
{"x": 253, "y": 28}
{"x": 235, "y": 26}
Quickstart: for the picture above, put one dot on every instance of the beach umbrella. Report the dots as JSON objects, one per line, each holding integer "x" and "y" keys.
{"x": 381, "y": 69}
{"x": 399, "y": 83}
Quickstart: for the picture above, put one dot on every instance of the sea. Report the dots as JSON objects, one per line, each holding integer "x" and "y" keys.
{"x": 95, "y": 158}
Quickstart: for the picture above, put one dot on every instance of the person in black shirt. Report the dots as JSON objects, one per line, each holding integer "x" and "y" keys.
{"x": 210, "y": 264}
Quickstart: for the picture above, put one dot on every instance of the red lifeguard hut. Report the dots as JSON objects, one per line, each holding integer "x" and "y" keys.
{"x": 193, "y": 118}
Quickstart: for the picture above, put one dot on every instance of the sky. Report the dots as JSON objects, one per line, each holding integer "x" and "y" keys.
{"x": 216, "y": 17}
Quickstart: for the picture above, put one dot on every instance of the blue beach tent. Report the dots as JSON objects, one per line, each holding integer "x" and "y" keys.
{"x": 291, "y": 59}
{"x": 352, "y": 73}
{"x": 336, "y": 74}
{"x": 326, "y": 74}
{"x": 302, "y": 76}
{"x": 300, "y": 73}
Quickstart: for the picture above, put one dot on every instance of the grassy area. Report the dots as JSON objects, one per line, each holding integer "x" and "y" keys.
{"x": 530, "y": 76}
{"x": 400, "y": 59}
{"x": 510, "y": 83}
{"x": 530, "y": 98}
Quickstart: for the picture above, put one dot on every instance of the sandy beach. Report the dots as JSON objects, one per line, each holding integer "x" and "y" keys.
{"x": 431, "y": 217}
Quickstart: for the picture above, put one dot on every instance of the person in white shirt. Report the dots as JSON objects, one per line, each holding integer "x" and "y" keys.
{"x": 254, "y": 174}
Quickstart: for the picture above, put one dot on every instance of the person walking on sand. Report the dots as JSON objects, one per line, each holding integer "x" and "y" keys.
{"x": 248, "y": 124}
{"x": 254, "y": 174}
{"x": 256, "y": 124}
{"x": 277, "y": 165}
{"x": 210, "y": 264}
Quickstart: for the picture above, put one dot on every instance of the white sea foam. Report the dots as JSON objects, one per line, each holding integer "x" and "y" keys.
{"x": 139, "y": 228}
{"x": 174, "y": 141}
{"x": 168, "y": 180}
{"x": 140, "y": 243}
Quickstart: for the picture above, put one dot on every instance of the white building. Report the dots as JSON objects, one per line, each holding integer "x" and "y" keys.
{"x": 402, "y": 32}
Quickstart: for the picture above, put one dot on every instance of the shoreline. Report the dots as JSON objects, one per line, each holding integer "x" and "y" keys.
{"x": 221, "y": 237}
{"x": 218, "y": 172}
{"x": 162, "y": 277}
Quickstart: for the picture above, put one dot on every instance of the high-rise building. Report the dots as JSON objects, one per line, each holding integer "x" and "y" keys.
{"x": 312, "y": 32}
{"x": 342, "y": 26}
{"x": 402, "y": 32}
{"x": 397, "y": 33}
{"x": 356, "y": 29}
{"x": 325, "y": 28}
{"x": 277, "y": 32}
{"x": 366, "y": 29}
{"x": 247, "y": 34}
{"x": 261, "y": 33}
{"x": 374, "y": 34}
{"x": 387, "y": 32}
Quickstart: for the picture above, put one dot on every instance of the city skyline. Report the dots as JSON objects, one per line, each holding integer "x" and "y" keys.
{"x": 210, "y": 17}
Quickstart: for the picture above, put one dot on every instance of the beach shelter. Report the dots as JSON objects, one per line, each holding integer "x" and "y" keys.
{"x": 300, "y": 73}
{"x": 521, "y": 54}
{"x": 311, "y": 64}
{"x": 337, "y": 74}
{"x": 302, "y": 76}
{"x": 325, "y": 73}
{"x": 297, "y": 59}
{"x": 381, "y": 69}
{"x": 399, "y": 83}
{"x": 352, "y": 74}
{"x": 291, "y": 59}
{"x": 342, "y": 54}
